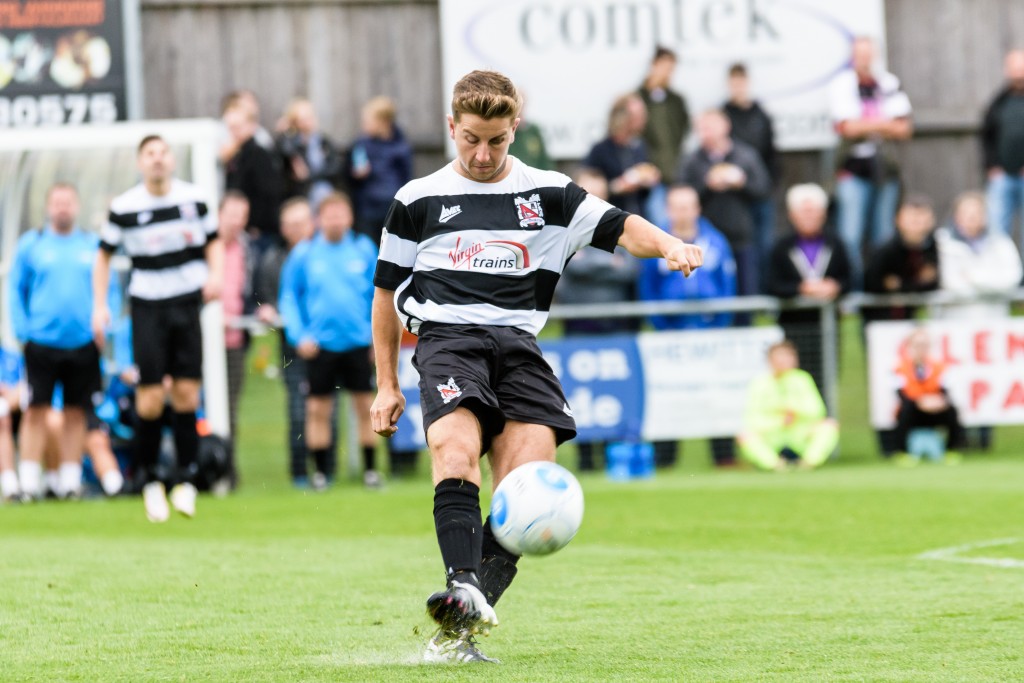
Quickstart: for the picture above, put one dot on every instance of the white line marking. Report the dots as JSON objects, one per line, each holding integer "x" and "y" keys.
{"x": 952, "y": 554}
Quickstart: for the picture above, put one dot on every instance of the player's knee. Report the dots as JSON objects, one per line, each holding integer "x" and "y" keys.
{"x": 455, "y": 454}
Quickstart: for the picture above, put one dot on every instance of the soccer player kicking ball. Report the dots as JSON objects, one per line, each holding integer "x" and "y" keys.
{"x": 469, "y": 261}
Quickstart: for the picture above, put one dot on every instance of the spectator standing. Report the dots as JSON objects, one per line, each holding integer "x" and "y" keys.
{"x": 870, "y": 113}
{"x": 313, "y": 165}
{"x": 729, "y": 177}
{"x": 752, "y": 125}
{"x": 1002, "y": 135}
{"x": 164, "y": 225}
{"x": 668, "y": 124}
{"x": 621, "y": 158}
{"x": 593, "y": 276}
{"x": 227, "y": 146}
{"x": 326, "y": 292}
{"x": 716, "y": 279}
{"x": 233, "y": 219}
{"x": 975, "y": 262}
{"x": 379, "y": 164}
{"x": 50, "y": 303}
{"x": 809, "y": 263}
{"x": 296, "y": 227}
{"x": 254, "y": 172}
{"x": 785, "y": 422}
{"x": 528, "y": 145}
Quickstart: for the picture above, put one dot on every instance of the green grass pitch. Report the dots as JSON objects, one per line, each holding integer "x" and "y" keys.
{"x": 696, "y": 575}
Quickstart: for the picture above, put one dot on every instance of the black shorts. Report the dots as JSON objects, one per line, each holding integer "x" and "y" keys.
{"x": 167, "y": 339}
{"x": 78, "y": 371}
{"x": 498, "y": 373}
{"x": 333, "y": 370}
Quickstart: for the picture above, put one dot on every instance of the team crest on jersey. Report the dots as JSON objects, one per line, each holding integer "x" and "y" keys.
{"x": 145, "y": 217}
{"x": 449, "y": 391}
{"x": 530, "y": 212}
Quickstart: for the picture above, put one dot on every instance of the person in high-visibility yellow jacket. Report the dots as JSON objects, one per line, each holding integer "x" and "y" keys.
{"x": 785, "y": 421}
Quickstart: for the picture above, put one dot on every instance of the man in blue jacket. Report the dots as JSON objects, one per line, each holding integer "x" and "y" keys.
{"x": 51, "y": 309}
{"x": 326, "y": 294}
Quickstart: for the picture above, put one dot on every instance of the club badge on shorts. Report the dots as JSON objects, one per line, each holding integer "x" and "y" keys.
{"x": 530, "y": 212}
{"x": 449, "y": 391}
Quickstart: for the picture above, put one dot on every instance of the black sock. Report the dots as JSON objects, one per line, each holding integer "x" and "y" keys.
{"x": 319, "y": 456}
{"x": 186, "y": 445}
{"x": 497, "y": 568}
{"x": 147, "y": 446}
{"x": 368, "y": 457}
{"x": 457, "y": 521}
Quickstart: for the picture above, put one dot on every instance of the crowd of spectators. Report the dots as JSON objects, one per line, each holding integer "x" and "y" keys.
{"x": 301, "y": 216}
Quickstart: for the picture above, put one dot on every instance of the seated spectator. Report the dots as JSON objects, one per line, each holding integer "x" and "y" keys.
{"x": 908, "y": 262}
{"x": 924, "y": 402}
{"x": 811, "y": 263}
{"x": 784, "y": 423}
{"x": 312, "y": 164}
{"x": 10, "y": 376}
{"x": 715, "y": 279}
{"x": 380, "y": 163}
{"x": 253, "y": 171}
{"x": 975, "y": 262}
{"x": 730, "y": 178}
{"x": 594, "y": 276}
{"x": 621, "y": 158}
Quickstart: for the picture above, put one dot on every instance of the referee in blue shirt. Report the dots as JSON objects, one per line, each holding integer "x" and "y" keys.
{"x": 51, "y": 307}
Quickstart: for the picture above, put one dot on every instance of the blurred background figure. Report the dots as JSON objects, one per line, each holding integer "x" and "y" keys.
{"x": 594, "y": 276}
{"x": 528, "y": 145}
{"x": 976, "y": 262}
{"x": 924, "y": 401}
{"x": 870, "y": 112}
{"x": 729, "y": 177}
{"x": 621, "y": 158}
{"x": 10, "y": 377}
{"x": 668, "y": 124}
{"x": 752, "y": 125}
{"x": 51, "y": 307}
{"x": 1002, "y": 135}
{"x": 326, "y": 292}
{"x": 810, "y": 263}
{"x": 716, "y": 279}
{"x": 253, "y": 171}
{"x": 784, "y": 423}
{"x": 311, "y": 162}
{"x": 246, "y": 100}
{"x": 379, "y": 164}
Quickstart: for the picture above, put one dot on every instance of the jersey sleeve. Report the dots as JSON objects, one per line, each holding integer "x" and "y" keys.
{"x": 208, "y": 219}
{"x": 592, "y": 221}
{"x": 111, "y": 234}
{"x": 398, "y": 247}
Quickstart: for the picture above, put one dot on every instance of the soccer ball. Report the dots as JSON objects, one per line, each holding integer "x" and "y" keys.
{"x": 537, "y": 509}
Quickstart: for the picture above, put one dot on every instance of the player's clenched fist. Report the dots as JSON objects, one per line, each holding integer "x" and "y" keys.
{"x": 385, "y": 411}
{"x": 685, "y": 257}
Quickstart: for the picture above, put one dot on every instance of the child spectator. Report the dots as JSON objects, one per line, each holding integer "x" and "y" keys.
{"x": 785, "y": 423}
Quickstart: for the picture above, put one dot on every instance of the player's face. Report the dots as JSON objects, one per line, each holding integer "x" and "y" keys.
{"x": 233, "y": 218}
{"x": 335, "y": 220}
{"x": 62, "y": 208}
{"x": 481, "y": 145}
{"x": 156, "y": 162}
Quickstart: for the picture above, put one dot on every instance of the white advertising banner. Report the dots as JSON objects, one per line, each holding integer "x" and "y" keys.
{"x": 572, "y": 58}
{"x": 984, "y": 368}
{"x": 695, "y": 382}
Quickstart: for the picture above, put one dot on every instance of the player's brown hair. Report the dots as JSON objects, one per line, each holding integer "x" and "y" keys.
{"x": 148, "y": 139}
{"x": 487, "y": 94}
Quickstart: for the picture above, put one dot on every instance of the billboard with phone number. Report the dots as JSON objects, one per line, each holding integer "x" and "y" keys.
{"x": 62, "y": 63}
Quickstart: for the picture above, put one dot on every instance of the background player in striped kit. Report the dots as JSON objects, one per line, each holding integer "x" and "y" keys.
{"x": 166, "y": 227}
{"x": 469, "y": 262}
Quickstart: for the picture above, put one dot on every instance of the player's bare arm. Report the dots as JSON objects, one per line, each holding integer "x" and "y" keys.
{"x": 643, "y": 239}
{"x": 214, "y": 252}
{"x": 100, "y": 283}
{"x": 387, "y": 339}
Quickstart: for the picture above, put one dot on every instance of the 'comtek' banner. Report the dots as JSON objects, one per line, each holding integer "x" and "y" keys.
{"x": 658, "y": 385}
{"x": 61, "y": 62}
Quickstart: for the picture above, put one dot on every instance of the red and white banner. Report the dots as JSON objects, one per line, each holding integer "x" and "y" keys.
{"x": 984, "y": 368}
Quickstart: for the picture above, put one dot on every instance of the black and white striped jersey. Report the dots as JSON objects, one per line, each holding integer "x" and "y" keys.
{"x": 461, "y": 252}
{"x": 165, "y": 237}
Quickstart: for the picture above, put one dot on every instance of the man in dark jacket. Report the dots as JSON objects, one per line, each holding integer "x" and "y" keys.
{"x": 729, "y": 176}
{"x": 808, "y": 263}
{"x": 668, "y": 121}
{"x": 311, "y": 161}
{"x": 1002, "y": 137}
{"x": 253, "y": 171}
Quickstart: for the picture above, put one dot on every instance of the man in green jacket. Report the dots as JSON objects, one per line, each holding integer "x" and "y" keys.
{"x": 785, "y": 422}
